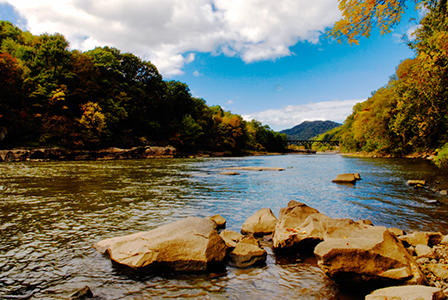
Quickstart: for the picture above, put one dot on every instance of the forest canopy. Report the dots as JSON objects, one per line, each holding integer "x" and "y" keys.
{"x": 53, "y": 96}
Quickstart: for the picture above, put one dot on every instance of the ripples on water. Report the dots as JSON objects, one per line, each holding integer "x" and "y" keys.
{"x": 52, "y": 213}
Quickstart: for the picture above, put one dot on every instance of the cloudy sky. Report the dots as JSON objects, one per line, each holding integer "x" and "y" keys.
{"x": 263, "y": 59}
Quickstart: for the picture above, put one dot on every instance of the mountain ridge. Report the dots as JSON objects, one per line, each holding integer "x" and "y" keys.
{"x": 309, "y": 129}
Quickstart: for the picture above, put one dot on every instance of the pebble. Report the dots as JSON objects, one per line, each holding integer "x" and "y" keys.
{"x": 440, "y": 258}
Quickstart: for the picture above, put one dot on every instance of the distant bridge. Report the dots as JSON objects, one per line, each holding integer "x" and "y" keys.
{"x": 309, "y": 143}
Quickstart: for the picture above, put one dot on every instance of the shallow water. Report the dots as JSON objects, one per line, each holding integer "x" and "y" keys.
{"x": 53, "y": 212}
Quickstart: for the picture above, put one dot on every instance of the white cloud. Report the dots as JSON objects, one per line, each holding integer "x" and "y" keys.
{"x": 229, "y": 102}
{"x": 168, "y": 32}
{"x": 291, "y": 115}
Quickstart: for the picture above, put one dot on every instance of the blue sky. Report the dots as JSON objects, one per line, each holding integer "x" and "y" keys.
{"x": 263, "y": 60}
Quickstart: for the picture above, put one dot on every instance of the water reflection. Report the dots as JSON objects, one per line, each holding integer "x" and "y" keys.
{"x": 52, "y": 214}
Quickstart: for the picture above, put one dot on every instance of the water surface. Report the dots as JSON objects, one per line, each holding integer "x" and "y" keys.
{"x": 53, "y": 212}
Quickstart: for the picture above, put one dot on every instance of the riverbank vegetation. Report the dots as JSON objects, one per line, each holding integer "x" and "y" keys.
{"x": 53, "y": 96}
{"x": 410, "y": 113}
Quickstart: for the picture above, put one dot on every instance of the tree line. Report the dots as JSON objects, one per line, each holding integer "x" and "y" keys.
{"x": 410, "y": 113}
{"x": 53, "y": 96}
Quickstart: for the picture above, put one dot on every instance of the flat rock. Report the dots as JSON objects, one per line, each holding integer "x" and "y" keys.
{"x": 189, "y": 245}
{"x": 261, "y": 223}
{"x": 347, "y": 178}
{"x": 409, "y": 292}
{"x": 255, "y": 168}
{"x": 229, "y": 173}
{"x": 416, "y": 182}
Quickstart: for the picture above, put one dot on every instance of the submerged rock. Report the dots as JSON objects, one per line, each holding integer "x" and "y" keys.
{"x": 189, "y": 245}
{"x": 255, "y": 168}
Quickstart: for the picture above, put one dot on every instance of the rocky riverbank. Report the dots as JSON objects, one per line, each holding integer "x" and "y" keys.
{"x": 355, "y": 254}
{"x": 113, "y": 153}
{"x": 58, "y": 154}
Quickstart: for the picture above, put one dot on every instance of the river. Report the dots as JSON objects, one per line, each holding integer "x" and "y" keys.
{"x": 53, "y": 212}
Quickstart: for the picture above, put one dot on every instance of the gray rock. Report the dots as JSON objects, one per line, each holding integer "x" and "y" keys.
{"x": 188, "y": 245}
{"x": 261, "y": 223}
{"x": 409, "y": 292}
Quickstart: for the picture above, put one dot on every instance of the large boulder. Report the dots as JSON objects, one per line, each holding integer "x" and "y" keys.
{"x": 299, "y": 228}
{"x": 409, "y": 292}
{"x": 261, "y": 223}
{"x": 247, "y": 253}
{"x": 189, "y": 245}
{"x": 366, "y": 258}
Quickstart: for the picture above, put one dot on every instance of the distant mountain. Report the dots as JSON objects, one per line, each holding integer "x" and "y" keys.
{"x": 309, "y": 129}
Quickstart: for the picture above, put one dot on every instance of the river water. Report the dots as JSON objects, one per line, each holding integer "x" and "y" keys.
{"x": 53, "y": 212}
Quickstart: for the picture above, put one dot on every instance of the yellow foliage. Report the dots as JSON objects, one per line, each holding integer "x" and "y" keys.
{"x": 359, "y": 16}
{"x": 93, "y": 118}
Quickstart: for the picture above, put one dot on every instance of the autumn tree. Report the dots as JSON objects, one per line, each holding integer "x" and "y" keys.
{"x": 359, "y": 17}
{"x": 53, "y": 96}
{"x": 410, "y": 113}
{"x": 12, "y": 113}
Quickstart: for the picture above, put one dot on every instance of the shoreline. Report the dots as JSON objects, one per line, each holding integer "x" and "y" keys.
{"x": 115, "y": 153}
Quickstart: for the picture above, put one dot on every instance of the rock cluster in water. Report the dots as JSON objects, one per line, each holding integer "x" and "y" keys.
{"x": 356, "y": 255}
